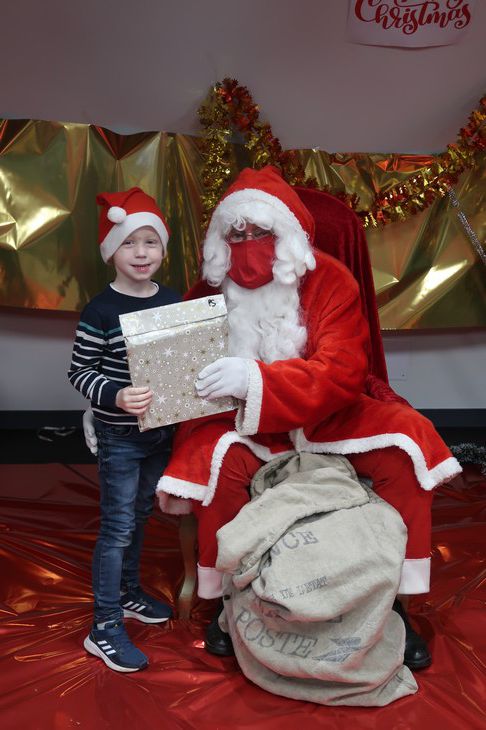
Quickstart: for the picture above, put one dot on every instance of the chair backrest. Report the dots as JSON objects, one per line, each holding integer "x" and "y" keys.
{"x": 339, "y": 233}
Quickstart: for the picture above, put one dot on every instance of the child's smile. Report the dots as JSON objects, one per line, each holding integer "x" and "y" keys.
{"x": 138, "y": 258}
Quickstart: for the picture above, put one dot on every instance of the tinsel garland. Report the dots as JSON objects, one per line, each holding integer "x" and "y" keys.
{"x": 461, "y": 216}
{"x": 470, "y": 453}
{"x": 425, "y": 186}
{"x": 230, "y": 106}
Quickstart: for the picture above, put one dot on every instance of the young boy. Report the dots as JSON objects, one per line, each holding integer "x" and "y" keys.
{"x": 133, "y": 237}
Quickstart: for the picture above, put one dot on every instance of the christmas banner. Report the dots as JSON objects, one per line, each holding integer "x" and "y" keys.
{"x": 409, "y": 23}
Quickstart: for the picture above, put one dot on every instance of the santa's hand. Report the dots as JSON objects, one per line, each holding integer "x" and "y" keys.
{"x": 226, "y": 376}
{"x": 89, "y": 431}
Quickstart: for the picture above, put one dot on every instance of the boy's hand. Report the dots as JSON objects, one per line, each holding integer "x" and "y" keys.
{"x": 134, "y": 400}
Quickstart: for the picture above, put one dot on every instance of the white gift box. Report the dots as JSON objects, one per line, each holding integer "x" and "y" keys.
{"x": 166, "y": 349}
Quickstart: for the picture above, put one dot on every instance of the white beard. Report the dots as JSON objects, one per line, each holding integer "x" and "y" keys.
{"x": 264, "y": 323}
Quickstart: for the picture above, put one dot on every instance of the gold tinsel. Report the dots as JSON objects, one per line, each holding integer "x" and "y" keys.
{"x": 229, "y": 107}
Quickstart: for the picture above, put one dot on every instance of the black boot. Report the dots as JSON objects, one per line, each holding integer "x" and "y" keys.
{"x": 417, "y": 655}
{"x": 217, "y": 641}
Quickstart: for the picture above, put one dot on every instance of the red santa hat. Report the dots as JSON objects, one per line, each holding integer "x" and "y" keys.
{"x": 124, "y": 212}
{"x": 266, "y": 186}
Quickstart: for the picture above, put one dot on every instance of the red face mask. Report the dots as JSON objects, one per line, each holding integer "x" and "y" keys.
{"x": 252, "y": 261}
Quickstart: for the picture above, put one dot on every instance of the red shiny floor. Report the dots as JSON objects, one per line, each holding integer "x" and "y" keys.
{"x": 48, "y": 519}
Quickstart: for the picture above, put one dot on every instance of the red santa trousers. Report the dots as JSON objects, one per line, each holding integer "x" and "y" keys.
{"x": 394, "y": 480}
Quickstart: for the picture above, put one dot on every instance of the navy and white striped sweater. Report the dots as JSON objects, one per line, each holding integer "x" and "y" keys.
{"x": 99, "y": 367}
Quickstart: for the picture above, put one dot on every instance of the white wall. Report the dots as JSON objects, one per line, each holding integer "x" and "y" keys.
{"x": 148, "y": 66}
{"x": 432, "y": 370}
{"x": 438, "y": 369}
{"x": 35, "y": 352}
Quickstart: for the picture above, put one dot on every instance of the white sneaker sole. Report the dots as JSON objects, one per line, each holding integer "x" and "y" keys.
{"x": 91, "y": 647}
{"x": 127, "y": 613}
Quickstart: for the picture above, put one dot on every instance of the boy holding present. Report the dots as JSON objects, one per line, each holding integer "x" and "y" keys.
{"x": 133, "y": 236}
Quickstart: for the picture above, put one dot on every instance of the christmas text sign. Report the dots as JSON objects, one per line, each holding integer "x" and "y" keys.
{"x": 409, "y": 23}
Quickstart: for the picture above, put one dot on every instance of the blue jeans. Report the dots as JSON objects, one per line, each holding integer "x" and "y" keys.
{"x": 130, "y": 464}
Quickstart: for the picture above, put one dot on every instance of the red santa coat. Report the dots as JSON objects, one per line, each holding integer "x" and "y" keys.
{"x": 312, "y": 403}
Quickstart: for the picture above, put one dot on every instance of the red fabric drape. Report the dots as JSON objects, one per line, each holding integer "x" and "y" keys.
{"x": 49, "y": 522}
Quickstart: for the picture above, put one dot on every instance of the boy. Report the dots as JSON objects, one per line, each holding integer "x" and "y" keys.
{"x": 133, "y": 236}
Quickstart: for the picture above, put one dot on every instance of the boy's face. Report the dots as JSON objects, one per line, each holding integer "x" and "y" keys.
{"x": 139, "y": 256}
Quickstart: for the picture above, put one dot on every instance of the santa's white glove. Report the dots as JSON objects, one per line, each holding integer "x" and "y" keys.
{"x": 89, "y": 431}
{"x": 226, "y": 376}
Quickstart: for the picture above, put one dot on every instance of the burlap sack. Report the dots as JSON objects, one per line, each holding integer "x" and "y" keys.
{"x": 313, "y": 565}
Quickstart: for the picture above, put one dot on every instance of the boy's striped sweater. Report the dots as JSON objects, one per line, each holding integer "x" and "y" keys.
{"x": 99, "y": 367}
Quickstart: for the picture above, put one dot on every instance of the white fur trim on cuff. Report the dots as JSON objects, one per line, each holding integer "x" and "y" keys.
{"x": 209, "y": 582}
{"x": 119, "y": 231}
{"x": 427, "y": 478}
{"x": 181, "y": 488}
{"x": 415, "y": 576}
{"x": 249, "y": 411}
{"x": 445, "y": 471}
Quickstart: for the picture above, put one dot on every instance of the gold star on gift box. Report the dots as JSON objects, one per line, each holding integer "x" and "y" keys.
{"x": 167, "y": 347}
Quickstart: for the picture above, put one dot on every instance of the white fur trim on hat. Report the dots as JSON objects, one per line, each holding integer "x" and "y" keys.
{"x": 130, "y": 223}
{"x": 254, "y": 195}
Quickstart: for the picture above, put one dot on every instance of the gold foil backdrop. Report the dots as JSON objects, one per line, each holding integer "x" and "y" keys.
{"x": 50, "y": 173}
{"x": 427, "y": 273}
{"x": 426, "y": 270}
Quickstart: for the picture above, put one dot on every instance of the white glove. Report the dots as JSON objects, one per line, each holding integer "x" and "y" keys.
{"x": 226, "y": 376}
{"x": 89, "y": 431}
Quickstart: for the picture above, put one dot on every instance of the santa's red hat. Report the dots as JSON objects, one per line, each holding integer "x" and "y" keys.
{"x": 267, "y": 186}
{"x": 124, "y": 212}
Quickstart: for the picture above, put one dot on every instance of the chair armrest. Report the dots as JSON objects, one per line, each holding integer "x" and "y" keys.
{"x": 379, "y": 390}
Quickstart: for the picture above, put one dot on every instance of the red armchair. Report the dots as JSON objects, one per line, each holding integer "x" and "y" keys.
{"x": 340, "y": 234}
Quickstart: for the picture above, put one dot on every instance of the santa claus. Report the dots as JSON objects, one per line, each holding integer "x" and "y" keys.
{"x": 298, "y": 362}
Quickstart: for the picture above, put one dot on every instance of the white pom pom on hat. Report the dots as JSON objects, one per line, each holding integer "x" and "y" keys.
{"x": 116, "y": 214}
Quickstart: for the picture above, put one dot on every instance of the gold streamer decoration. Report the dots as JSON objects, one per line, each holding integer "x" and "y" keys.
{"x": 433, "y": 182}
{"x": 230, "y": 106}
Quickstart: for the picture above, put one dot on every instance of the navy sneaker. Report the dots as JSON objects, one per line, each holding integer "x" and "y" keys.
{"x": 112, "y": 644}
{"x": 138, "y": 604}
